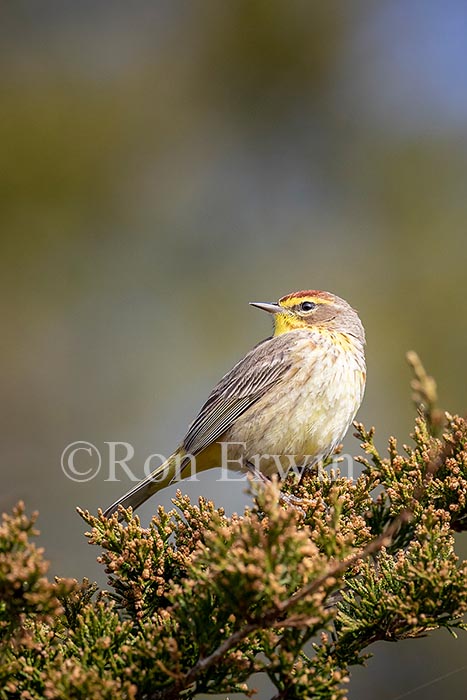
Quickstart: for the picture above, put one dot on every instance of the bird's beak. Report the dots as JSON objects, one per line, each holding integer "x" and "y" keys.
{"x": 271, "y": 308}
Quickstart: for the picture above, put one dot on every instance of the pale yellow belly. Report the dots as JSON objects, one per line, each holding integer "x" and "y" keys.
{"x": 303, "y": 419}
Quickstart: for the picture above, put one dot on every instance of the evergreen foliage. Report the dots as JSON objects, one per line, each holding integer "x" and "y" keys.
{"x": 297, "y": 588}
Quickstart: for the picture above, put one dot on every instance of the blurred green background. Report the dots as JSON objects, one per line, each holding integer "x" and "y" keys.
{"x": 164, "y": 163}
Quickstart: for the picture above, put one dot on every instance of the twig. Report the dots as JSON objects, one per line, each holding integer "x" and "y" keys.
{"x": 425, "y": 394}
{"x": 271, "y": 616}
{"x": 341, "y": 566}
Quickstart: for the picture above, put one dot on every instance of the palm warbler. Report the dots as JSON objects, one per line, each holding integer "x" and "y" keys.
{"x": 288, "y": 402}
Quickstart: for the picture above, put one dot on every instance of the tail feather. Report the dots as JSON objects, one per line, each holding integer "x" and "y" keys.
{"x": 157, "y": 480}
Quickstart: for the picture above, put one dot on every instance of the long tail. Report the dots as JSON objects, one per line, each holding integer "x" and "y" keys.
{"x": 157, "y": 480}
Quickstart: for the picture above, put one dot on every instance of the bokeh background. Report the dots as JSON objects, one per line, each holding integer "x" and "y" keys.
{"x": 164, "y": 163}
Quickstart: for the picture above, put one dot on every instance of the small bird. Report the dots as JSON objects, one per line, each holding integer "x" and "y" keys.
{"x": 288, "y": 402}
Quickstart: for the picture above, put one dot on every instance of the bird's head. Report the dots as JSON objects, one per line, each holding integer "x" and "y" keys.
{"x": 313, "y": 309}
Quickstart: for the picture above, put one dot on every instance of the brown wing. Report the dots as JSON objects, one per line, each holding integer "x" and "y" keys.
{"x": 262, "y": 368}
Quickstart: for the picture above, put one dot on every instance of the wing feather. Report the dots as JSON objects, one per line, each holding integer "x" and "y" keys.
{"x": 262, "y": 368}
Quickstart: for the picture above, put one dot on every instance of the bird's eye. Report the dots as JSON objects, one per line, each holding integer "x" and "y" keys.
{"x": 307, "y": 306}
